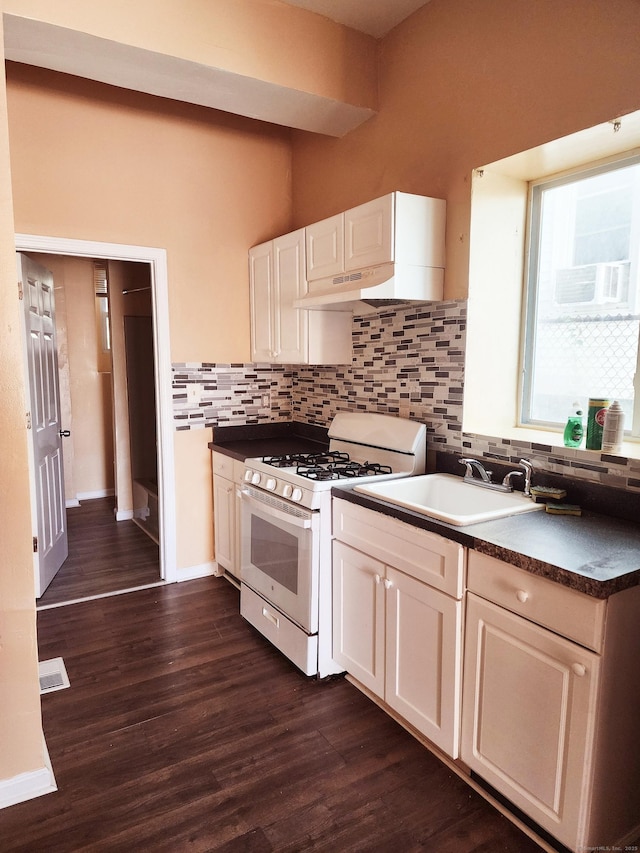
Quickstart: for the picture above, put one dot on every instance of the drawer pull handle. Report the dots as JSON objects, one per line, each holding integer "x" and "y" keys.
{"x": 377, "y": 578}
{"x": 522, "y": 595}
{"x": 579, "y": 669}
{"x": 270, "y": 617}
{"x": 387, "y": 583}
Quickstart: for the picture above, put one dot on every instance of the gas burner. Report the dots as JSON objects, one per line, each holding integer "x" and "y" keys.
{"x": 341, "y": 470}
{"x": 357, "y": 469}
{"x": 307, "y": 460}
{"x": 330, "y": 457}
{"x": 317, "y": 472}
{"x": 285, "y": 460}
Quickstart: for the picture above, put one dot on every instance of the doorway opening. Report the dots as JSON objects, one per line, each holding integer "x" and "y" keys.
{"x": 134, "y": 420}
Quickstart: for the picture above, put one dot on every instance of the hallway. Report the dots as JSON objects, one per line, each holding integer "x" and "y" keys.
{"x": 105, "y": 556}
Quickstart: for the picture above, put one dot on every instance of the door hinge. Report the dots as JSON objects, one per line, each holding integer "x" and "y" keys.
{"x": 35, "y": 544}
{"x": 20, "y": 290}
{"x": 28, "y": 420}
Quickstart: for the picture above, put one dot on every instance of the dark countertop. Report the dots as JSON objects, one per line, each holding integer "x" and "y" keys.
{"x": 248, "y": 442}
{"x": 591, "y": 553}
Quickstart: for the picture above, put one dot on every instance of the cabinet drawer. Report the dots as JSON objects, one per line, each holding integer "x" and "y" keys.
{"x": 425, "y": 556}
{"x": 291, "y": 640}
{"x": 223, "y": 465}
{"x": 569, "y": 613}
{"x": 228, "y": 467}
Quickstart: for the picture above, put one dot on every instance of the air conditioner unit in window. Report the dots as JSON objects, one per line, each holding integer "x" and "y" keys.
{"x": 592, "y": 284}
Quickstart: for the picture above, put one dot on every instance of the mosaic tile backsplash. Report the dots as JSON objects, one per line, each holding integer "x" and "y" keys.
{"x": 407, "y": 361}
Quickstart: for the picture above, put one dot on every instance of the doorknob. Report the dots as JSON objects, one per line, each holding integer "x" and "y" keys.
{"x": 64, "y": 433}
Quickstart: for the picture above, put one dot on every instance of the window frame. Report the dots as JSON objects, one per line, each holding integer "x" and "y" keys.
{"x": 535, "y": 192}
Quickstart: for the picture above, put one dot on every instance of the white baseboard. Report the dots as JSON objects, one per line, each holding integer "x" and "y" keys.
{"x": 71, "y": 503}
{"x": 123, "y": 514}
{"x": 26, "y": 786}
{"x": 202, "y": 571}
{"x": 100, "y": 493}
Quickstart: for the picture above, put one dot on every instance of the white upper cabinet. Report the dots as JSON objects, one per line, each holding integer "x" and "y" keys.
{"x": 262, "y": 297}
{"x": 325, "y": 247}
{"x": 368, "y": 233}
{"x": 398, "y": 227}
{"x": 281, "y": 333}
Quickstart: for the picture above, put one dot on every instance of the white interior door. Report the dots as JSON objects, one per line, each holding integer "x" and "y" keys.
{"x": 47, "y": 472}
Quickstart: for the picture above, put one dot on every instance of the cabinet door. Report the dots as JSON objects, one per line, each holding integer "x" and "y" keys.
{"x": 261, "y": 288}
{"x": 325, "y": 248}
{"x": 527, "y": 717}
{"x": 224, "y": 520}
{"x": 358, "y": 616}
{"x": 424, "y": 658}
{"x": 291, "y": 324}
{"x": 368, "y": 234}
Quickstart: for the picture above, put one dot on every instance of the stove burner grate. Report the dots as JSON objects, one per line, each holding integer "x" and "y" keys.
{"x": 307, "y": 460}
{"x": 341, "y": 470}
{"x": 364, "y": 469}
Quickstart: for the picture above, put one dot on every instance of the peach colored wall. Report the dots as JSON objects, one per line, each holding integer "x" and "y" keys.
{"x": 278, "y": 43}
{"x": 463, "y": 83}
{"x": 20, "y": 720}
{"x": 121, "y": 167}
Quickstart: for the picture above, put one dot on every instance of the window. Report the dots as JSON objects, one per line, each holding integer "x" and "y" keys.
{"x": 103, "y": 325}
{"x": 583, "y": 300}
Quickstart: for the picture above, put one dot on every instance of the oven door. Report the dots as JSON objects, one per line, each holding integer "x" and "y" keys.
{"x": 280, "y": 550}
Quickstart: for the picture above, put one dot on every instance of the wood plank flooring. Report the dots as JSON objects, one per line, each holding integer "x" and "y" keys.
{"x": 183, "y": 729}
{"x": 105, "y": 555}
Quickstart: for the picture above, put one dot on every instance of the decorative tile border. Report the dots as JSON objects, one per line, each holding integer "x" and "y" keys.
{"x": 407, "y": 361}
{"x": 207, "y": 395}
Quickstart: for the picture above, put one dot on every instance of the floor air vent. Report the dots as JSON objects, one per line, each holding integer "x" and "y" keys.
{"x": 53, "y": 675}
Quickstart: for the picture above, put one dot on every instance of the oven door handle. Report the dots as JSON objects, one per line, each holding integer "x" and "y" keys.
{"x": 282, "y": 515}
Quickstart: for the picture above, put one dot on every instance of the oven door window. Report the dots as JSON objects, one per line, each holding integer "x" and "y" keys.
{"x": 280, "y": 556}
{"x": 275, "y": 553}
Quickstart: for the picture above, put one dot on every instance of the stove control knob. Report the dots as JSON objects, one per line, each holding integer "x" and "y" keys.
{"x": 255, "y": 478}
{"x": 271, "y": 484}
{"x": 297, "y": 494}
{"x": 248, "y": 474}
{"x": 287, "y": 489}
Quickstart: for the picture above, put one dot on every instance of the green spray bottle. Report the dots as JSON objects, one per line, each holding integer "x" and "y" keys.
{"x": 574, "y": 431}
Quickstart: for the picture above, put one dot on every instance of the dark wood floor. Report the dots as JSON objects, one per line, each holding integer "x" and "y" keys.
{"x": 183, "y": 729}
{"x": 105, "y": 555}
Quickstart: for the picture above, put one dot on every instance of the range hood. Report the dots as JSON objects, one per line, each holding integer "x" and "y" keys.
{"x": 367, "y": 290}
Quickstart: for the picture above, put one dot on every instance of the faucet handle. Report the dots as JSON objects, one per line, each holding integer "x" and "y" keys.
{"x": 507, "y": 480}
{"x": 468, "y": 463}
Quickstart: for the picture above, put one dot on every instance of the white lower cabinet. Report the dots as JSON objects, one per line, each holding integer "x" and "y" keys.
{"x": 394, "y": 633}
{"x": 546, "y": 712}
{"x": 528, "y": 714}
{"x": 227, "y": 476}
{"x": 549, "y": 723}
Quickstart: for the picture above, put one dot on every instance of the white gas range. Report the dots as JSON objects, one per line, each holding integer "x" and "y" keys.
{"x": 286, "y": 528}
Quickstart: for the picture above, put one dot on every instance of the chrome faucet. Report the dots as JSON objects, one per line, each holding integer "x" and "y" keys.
{"x": 484, "y": 477}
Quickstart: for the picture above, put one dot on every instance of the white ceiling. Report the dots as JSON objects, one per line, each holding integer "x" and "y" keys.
{"x": 375, "y": 17}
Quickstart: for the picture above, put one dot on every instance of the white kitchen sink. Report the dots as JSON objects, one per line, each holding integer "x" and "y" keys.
{"x": 448, "y": 498}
